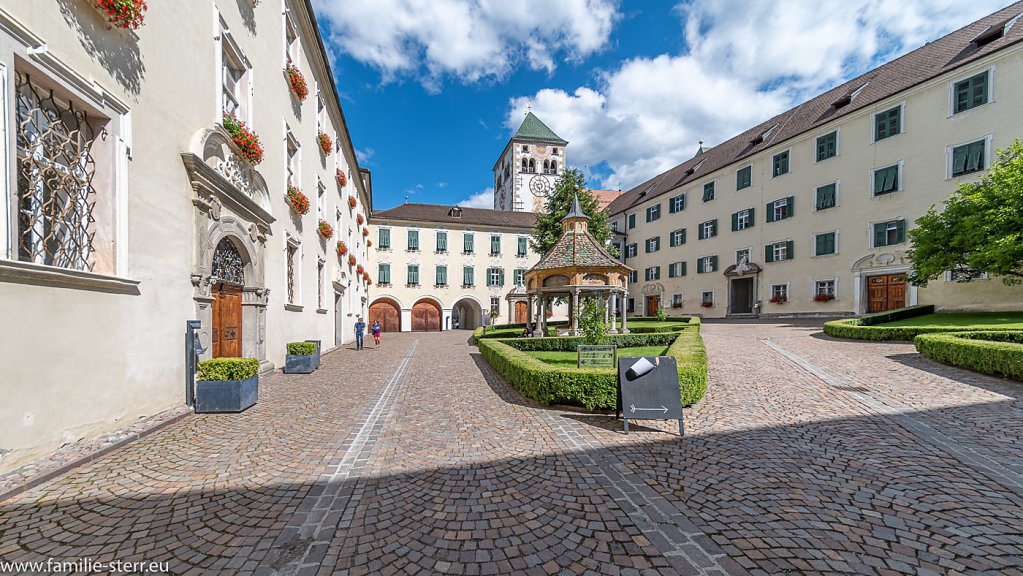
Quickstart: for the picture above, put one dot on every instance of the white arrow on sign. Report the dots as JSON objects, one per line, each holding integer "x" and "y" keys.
{"x": 663, "y": 408}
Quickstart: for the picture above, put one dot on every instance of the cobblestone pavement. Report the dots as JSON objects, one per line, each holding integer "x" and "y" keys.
{"x": 808, "y": 456}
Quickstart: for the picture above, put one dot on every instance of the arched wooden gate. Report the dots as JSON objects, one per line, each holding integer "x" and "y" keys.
{"x": 387, "y": 313}
{"x": 425, "y": 316}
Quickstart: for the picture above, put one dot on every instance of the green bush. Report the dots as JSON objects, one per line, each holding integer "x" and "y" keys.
{"x": 302, "y": 348}
{"x": 999, "y": 353}
{"x": 864, "y": 327}
{"x": 228, "y": 369}
{"x": 588, "y": 387}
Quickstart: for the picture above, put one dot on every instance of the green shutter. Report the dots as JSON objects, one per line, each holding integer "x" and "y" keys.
{"x": 501, "y": 276}
{"x": 879, "y": 234}
{"x": 683, "y": 272}
{"x": 789, "y": 253}
{"x": 900, "y": 231}
{"x": 790, "y": 206}
{"x": 467, "y": 243}
{"x": 467, "y": 276}
{"x": 699, "y": 266}
{"x": 384, "y": 274}
{"x": 523, "y": 247}
{"x": 714, "y": 263}
{"x": 714, "y": 227}
{"x": 442, "y": 275}
{"x": 769, "y": 253}
{"x": 708, "y": 191}
{"x": 770, "y": 211}
{"x": 495, "y": 244}
{"x": 442, "y": 241}
{"x": 700, "y": 231}
{"x": 384, "y": 237}
{"x": 735, "y": 221}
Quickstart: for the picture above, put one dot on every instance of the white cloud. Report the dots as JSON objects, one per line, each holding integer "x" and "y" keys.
{"x": 743, "y": 62}
{"x": 469, "y": 39}
{"x": 484, "y": 199}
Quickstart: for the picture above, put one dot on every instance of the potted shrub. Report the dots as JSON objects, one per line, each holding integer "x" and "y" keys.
{"x": 299, "y": 203}
{"x": 325, "y": 143}
{"x": 246, "y": 140}
{"x": 823, "y": 298}
{"x": 227, "y": 385}
{"x": 127, "y": 14}
{"x": 297, "y": 82}
{"x": 317, "y": 342}
{"x": 341, "y": 248}
{"x": 341, "y": 181}
{"x": 326, "y": 230}
{"x": 301, "y": 358}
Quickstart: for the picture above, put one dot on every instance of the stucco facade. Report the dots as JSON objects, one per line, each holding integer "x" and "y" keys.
{"x": 95, "y": 314}
{"x": 812, "y": 213}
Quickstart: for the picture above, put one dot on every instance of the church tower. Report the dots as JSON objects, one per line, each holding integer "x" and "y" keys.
{"x": 529, "y": 166}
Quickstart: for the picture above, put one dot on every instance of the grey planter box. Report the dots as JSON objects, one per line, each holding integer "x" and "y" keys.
{"x": 300, "y": 363}
{"x": 317, "y": 342}
{"x": 226, "y": 395}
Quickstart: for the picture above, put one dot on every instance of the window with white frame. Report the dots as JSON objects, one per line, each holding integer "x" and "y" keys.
{"x": 962, "y": 273}
{"x": 630, "y": 250}
{"x": 887, "y": 179}
{"x": 676, "y": 300}
{"x": 235, "y": 76}
{"x": 743, "y": 219}
{"x": 676, "y": 269}
{"x": 707, "y": 297}
{"x": 779, "y": 293}
{"x": 967, "y": 158}
{"x": 825, "y": 289}
{"x": 826, "y": 196}
{"x": 779, "y": 253}
{"x": 292, "y": 258}
{"x": 678, "y": 237}
{"x": 320, "y": 278}
{"x": 292, "y": 40}
{"x": 889, "y": 233}
{"x": 321, "y": 202}
{"x": 321, "y": 114}
{"x": 294, "y": 160}
{"x": 495, "y": 305}
{"x": 825, "y": 243}
{"x": 743, "y": 254}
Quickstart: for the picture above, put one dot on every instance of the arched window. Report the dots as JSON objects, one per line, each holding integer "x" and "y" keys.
{"x": 546, "y": 166}
{"x": 554, "y": 166}
{"x": 227, "y": 264}
{"x": 532, "y": 165}
{"x": 525, "y": 165}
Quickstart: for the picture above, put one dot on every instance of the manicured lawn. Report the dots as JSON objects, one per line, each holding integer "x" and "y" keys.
{"x": 568, "y": 358}
{"x": 974, "y": 320}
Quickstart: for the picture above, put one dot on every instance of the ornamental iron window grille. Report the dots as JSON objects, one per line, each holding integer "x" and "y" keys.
{"x": 55, "y": 171}
{"x": 227, "y": 264}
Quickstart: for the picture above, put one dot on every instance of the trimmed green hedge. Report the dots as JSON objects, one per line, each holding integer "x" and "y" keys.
{"x": 998, "y": 353}
{"x": 506, "y": 331}
{"x": 589, "y": 387}
{"x": 302, "y": 348}
{"x": 228, "y": 369}
{"x": 864, "y": 327}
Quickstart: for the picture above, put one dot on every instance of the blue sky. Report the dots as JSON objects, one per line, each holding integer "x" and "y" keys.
{"x": 433, "y": 90}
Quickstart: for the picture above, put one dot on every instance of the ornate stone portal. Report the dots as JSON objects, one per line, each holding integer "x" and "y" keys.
{"x": 231, "y": 203}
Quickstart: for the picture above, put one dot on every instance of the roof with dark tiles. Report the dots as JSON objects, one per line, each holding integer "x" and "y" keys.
{"x": 929, "y": 61}
{"x": 442, "y": 214}
{"x": 577, "y": 249}
{"x": 532, "y": 129}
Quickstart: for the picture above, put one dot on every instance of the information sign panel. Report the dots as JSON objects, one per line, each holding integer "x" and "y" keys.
{"x": 597, "y": 356}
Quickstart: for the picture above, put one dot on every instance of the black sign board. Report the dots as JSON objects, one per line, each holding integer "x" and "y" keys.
{"x": 648, "y": 389}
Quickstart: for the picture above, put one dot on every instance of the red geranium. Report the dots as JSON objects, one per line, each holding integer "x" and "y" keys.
{"x": 369, "y": 243}
{"x": 351, "y": 259}
{"x": 325, "y": 144}
{"x": 351, "y": 201}
{"x": 359, "y": 220}
{"x": 342, "y": 180}
{"x": 365, "y": 231}
{"x": 127, "y": 14}
{"x": 823, "y": 298}
{"x": 359, "y": 269}
{"x": 245, "y": 139}
{"x": 326, "y": 230}
{"x": 365, "y": 276}
{"x": 707, "y": 304}
{"x": 341, "y": 248}
{"x": 369, "y": 282}
{"x": 297, "y": 81}
{"x": 298, "y": 200}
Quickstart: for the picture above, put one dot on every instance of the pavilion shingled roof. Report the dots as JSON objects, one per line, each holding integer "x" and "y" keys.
{"x": 577, "y": 249}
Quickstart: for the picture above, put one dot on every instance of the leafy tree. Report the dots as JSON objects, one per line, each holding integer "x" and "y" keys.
{"x": 980, "y": 230}
{"x": 559, "y": 202}
{"x": 591, "y": 321}
{"x": 661, "y": 314}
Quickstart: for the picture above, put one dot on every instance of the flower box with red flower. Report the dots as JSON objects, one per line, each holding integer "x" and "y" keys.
{"x": 369, "y": 243}
{"x": 823, "y": 298}
{"x": 126, "y": 14}
{"x": 299, "y": 203}
{"x": 297, "y": 81}
{"x": 326, "y": 230}
{"x": 369, "y": 282}
{"x": 707, "y": 304}
{"x": 365, "y": 231}
{"x": 351, "y": 259}
{"x": 359, "y": 269}
{"x": 326, "y": 145}
{"x": 342, "y": 180}
{"x": 342, "y": 249}
{"x": 246, "y": 140}
{"x": 676, "y": 304}
{"x": 351, "y": 202}
{"x": 778, "y": 299}
{"x": 365, "y": 276}
{"x": 359, "y": 219}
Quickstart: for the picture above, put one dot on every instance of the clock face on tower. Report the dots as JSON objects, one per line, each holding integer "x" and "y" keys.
{"x": 539, "y": 185}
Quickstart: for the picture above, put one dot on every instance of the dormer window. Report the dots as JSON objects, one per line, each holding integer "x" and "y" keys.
{"x": 763, "y": 136}
{"x": 994, "y": 32}
{"x": 456, "y": 212}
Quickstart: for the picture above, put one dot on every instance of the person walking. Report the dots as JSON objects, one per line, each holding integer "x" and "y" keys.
{"x": 376, "y": 333}
{"x": 360, "y": 327}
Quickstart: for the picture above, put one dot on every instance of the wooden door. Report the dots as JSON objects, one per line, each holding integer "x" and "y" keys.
{"x": 520, "y": 312}
{"x": 387, "y": 314}
{"x": 652, "y": 304}
{"x": 425, "y": 317}
{"x": 227, "y": 321}
{"x": 886, "y": 292}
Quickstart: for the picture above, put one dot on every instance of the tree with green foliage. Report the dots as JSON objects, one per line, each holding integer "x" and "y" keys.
{"x": 661, "y": 314}
{"x": 981, "y": 229}
{"x": 591, "y": 321}
{"x": 559, "y": 202}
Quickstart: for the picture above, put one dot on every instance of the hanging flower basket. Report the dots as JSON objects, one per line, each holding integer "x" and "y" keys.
{"x": 365, "y": 231}
{"x": 245, "y": 139}
{"x": 342, "y": 180}
{"x": 823, "y": 298}
{"x": 707, "y": 304}
{"x": 359, "y": 220}
{"x": 127, "y": 14}
{"x": 365, "y": 276}
{"x": 325, "y": 143}
{"x": 299, "y": 203}
{"x": 351, "y": 202}
{"x": 326, "y": 230}
{"x": 351, "y": 259}
{"x": 360, "y": 270}
{"x": 369, "y": 243}
{"x": 368, "y": 282}
{"x": 297, "y": 81}
{"x": 779, "y": 299}
{"x": 341, "y": 248}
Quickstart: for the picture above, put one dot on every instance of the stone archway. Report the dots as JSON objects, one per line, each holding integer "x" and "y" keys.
{"x": 387, "y": 312}
{"x": 426, "y": 316}
{"x": 467, "y": 312}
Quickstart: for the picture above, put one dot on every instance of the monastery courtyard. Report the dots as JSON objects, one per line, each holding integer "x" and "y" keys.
{"x": 808, "y": 455}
